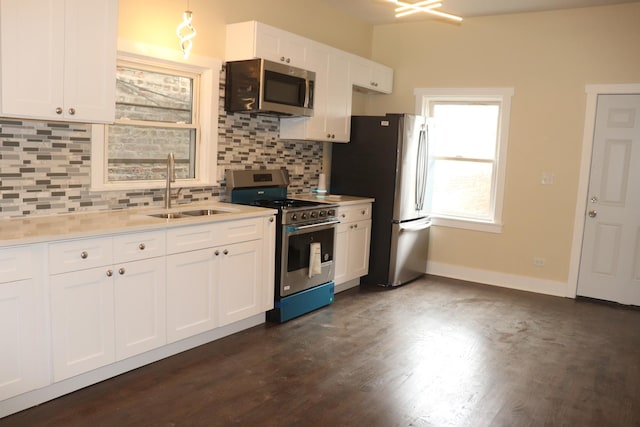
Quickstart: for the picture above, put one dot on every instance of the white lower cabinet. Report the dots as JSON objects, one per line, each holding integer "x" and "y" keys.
{"x": 190, "y": 293}
{"x": 23, "y": 355}
{"x": 240, "y": 281}
{"x": 353, "y": 239}
{"x": 82, "y": 321}
{"x": 218, "y": 275}
{"x": 139, "y": 301}
{"x": 101, "y": 314}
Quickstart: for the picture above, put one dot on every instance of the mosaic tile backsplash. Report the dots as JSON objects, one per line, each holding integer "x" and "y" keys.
{"x": 45, "y": 167}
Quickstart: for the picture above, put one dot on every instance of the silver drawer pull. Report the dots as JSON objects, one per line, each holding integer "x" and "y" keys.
{"x": 226, "y": 252}
{"x": 84, "y": 255}
{"x": 109, "y": 273}
{"x": 216, "y": 253}
{"x": 142, "y": 246}
{"x": 122, "y": 270}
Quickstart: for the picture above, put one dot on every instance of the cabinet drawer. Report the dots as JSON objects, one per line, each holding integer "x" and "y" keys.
{"x": 238, "y": 231}
{"x": 15, "y": 264}
{"x": 137, "y": 246}
{"x": 80, "y": 254}
{"x": 354, "y": 212}
{"x": 190, "y": 238}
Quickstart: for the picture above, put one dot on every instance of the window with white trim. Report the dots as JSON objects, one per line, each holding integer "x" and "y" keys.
{"x": 162, "y": 106}
{"x": 468, "y": 134}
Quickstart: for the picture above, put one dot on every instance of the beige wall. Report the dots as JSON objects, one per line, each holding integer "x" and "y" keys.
{"x": 548, "y": 58}
{"x": 155, "y": 21}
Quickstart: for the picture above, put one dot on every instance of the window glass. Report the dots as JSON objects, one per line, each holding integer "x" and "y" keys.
{"x": 154, "y": 116}
{"x": 468, "y": 134}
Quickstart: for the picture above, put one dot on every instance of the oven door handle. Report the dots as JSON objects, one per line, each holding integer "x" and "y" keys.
{"x": 292, "y": 228}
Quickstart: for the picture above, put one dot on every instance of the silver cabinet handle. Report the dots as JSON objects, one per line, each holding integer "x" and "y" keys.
{"x": 109, "y": 273}
{"x": 72, "y": 111}
{"x": 59, "y": 110}
{"x": 216, "y": 253}
{"x": 271, "y": 219}
{"x": 226, "y": 252}
{"x": 84, "y": 255}
{"x": 282, "y": 58}
{"x": 122, "y": 270}
{"x": 142, "y": 246}
{"x": 593, "y": 214}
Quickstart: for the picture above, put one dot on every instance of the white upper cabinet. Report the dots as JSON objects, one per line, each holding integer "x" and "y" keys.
{"x": 253, "y": 39}
{"x": 58, "y": 59}
{"x": 331, "y": 119}
{"x": 370, "y": 76}
{"x": 336, "y": 74}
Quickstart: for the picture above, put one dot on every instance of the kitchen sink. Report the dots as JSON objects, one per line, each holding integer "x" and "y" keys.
{"x": 168, "y": 215}
{"x": 203, "y": 212}
{"x": 188, "y": 214}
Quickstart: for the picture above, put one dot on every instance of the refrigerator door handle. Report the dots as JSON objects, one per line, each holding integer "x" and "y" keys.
{"x": 416, "y": 226}
{"x": 421, "y": 170}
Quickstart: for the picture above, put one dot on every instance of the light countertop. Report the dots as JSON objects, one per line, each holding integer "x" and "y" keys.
{"x": 341, "y": 200}
{"x": 46, "y": 228}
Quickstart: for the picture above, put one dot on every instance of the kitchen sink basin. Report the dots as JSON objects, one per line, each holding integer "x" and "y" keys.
{"x": 203, "y": 212}
{"x": 188, "y": 214}
{"x": 168, "y": 215}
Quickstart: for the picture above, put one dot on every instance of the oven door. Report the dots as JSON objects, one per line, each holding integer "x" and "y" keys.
{"x": 296, "y": 256}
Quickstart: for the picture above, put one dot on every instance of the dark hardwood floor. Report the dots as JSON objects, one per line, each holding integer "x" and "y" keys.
{"x": 436, "y": 352}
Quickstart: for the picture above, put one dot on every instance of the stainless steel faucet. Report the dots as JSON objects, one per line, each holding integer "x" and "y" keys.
{"x": 171, "y": 177}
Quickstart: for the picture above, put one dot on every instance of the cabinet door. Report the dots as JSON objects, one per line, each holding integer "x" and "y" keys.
{"x": 32, "y": 55}
{"x": 140, "y": 298}
{"x": 82, "y": 321}
{"x": 338, "y": 108}
{"x": 240, "y": 281}
{"x": 190, "y": 293}
{"x": 280, "y": 46}
{"x": 341, "y": 260}
{"x": 58, "y": 59}
{"x": 269, "y": 262}
{"x": 90, "y": 60}
{"x": 359, "y": 242}
{"x": 22, "y": 353}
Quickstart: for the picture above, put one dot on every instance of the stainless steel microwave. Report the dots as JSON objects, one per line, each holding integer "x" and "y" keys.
{"x": 267, "y": 87}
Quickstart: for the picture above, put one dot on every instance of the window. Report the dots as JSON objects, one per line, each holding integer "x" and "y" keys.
{"x": 467, "y": 147}
{"x": 161, "y": 107}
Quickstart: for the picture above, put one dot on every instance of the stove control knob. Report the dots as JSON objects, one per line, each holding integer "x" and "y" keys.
{"x": 331, "y": 212}
{"x": 294, "y": 217}
{"x": 304, "y": 215}
{"x": 314, "y": 214}
{"x": 322, "y": 214}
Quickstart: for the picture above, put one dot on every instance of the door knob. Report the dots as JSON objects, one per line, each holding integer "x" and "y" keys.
{"x": 592, "y": 214}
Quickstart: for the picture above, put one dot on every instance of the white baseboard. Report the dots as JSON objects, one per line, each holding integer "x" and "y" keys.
{"x": 512, "y": 281}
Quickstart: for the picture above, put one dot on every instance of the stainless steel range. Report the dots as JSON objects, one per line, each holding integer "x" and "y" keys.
{"x": 305, "y": 242}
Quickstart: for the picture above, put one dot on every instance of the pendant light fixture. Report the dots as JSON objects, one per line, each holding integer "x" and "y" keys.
{"x": 186, "y": 32}
{"x": 427, "y": 6}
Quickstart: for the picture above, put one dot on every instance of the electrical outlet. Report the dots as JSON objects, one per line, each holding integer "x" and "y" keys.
{"x": 538, "y": 262}
{"x": 547, "y": 178}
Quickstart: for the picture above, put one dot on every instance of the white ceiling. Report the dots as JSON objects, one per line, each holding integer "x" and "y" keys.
{"x": 381, "y": 11}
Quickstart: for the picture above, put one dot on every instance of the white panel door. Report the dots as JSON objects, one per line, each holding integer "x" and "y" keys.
{"x": 191, "y": 293}
{"x": 140, "y": 300}
{"x": 610, "y": 261}
{"x": 240, "y": 281}
{"x": 82, "y": 321}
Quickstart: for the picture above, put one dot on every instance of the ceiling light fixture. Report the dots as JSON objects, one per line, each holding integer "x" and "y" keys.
{"x": 426, "y": 6}
{"x": 186, "y": 32}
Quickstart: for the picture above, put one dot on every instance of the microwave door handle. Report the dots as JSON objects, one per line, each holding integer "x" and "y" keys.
{"x": 306, "y": 93}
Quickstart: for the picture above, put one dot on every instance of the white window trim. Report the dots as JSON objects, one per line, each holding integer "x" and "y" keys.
{"x": 206, "y": 166}
{"x": 502, "y": 95}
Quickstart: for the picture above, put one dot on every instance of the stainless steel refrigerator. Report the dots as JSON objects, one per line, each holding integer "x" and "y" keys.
{"x": 387, "y": 159}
